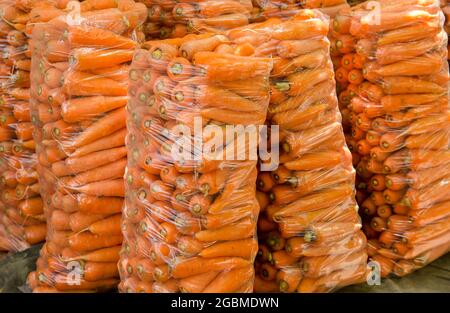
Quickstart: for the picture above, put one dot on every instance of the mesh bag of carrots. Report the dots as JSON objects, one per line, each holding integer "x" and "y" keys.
{"x": 400, "y": 128}
{"x": 22, "y": 219}
{"x": 264, "y": 9}
{"x": 174, "y": 19}
{"x": 79, "y": 75}
{"x": 190, "y": 215}
{"x": 309, "y": 228}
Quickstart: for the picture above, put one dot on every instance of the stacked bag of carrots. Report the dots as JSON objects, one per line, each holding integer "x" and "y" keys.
{"x": 400, "y": 129}
{"x": 264, "y": 9}
{"x": 190, "y": 219}
{"x": 79, "y": 77}
{"x": 22, "y": 216}
{"x": 309, "y": 228}
{"x": 175, "y": 19}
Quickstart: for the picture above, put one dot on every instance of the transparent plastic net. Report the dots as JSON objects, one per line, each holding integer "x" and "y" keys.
{"x": 79, "y": 77}
{"x": 22, "y": 220}
{"x": 196, "y": 105}
{"x": 309, "y": 228}
{"x": 393, "y": 76}
{"x": 174, "y": 19}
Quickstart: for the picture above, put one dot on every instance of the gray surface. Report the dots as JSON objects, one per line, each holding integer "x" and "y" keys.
{"x": 14, "y": 268}
{"x": 433, "y": 278}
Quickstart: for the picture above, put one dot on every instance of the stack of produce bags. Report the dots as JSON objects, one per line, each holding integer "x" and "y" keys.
{"x": 309, "y": 228}
{"x": 174, "y": 19}
{"x": 270, "y": 8}
{"x": 189, "y": 220}
{"x": 79, "y": 77}
{"x": 22, "y": 220}
{"x": 400, "y": 129}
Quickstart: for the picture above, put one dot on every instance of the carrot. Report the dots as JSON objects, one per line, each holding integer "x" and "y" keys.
{"x": 78, "y": 109}
{"x": 242, "y": 229}
{"x": 89, "y": 242}
{"x": 393, "y": 103}
{"x": 414, "y": 32}
{"x": 385, "y": 265}
{"x": 189, "y": 48}
{"x": 195, "y": 266}
{"x": 241, "y": 67}
{"x": 314, "y": 267}
{"x": 378, "y": 224}
{"x": 32, "y": 206}
{"x": 108, "y": 226}
{"x": 105, "y": 188}
{"x": 88, "y": 59}
{"x": 34, "y": 234}
{"x": 369, "y": 207}
{"x": 85, "y": 84}
{"x": 412, "y": 67}
{"x": 113, "y": 140}
{"x": 196, "y": 283}
{"x": 315, "y": 160}
{"x": 282, "y": 259}
{"x": 316, "y": 201}
{"x": 102, "y": 127}
{"x": 179, "y": 69}
{"x": 436, "y": 141}
{"x": 296, "y": 84}
{"x": 189, "y": 245}
{"x": 402, "y": 85}
{"x": 209, "y": 96}
{"x": 345, "y": 44}
{"x": 227, "y": 282}
{"x": 79, "y": 164}
{"x": 93, "y": 271}
{"x": 346, "y": 61}
{"x": 267, "y": 272}
{"x": 104, "y": 255}
{"x": 261, "y": 285}
{"x": 99, "y": 205}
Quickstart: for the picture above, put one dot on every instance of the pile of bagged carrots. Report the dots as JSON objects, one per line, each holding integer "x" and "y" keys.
{"x": 309, "y": 228}
{"x": 175, "y": 19}
{"x": 396, "y": 101}
{"x": 123, "y": 143}
{"x": 190, "y": 224}
{"x": 79, "y": 87}
{"x": 22, "y": 216}
{"x": 263, "y": 9}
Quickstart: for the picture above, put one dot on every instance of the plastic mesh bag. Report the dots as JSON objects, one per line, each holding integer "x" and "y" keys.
{"x": 189, "y": 222}
{"x": 78, "y": 96}
{"x": 22, "y": 217}
{"x": 399, "y": 117}
{"x": 309, "y": 227}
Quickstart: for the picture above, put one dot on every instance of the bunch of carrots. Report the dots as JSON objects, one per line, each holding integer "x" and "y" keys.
{"x": 190, "y": 223}
{"x": 79, "y": 77}
{"x": 308, "y": 229}
{"x": 400, "y": 131}
{"x": 175, "y": 19}
{"x": 263, "y": 9}
{"x": 22, "y": 218}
